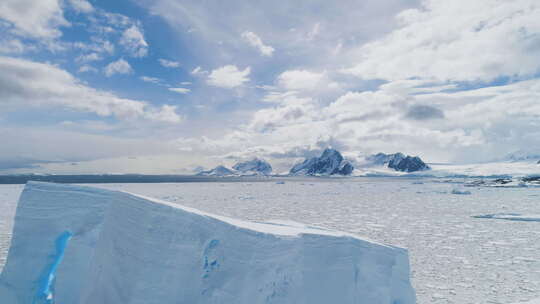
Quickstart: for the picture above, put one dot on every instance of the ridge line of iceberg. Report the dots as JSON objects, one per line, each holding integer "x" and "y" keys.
{"x": 129, "y": 249}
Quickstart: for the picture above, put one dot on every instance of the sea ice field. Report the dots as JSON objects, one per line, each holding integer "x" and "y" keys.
{"x": 466, "y": 245}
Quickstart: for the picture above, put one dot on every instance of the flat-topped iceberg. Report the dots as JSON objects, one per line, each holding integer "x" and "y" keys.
{"x": 81, "y": 245}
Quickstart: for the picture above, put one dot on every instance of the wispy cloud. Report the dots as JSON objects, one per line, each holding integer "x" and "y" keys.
{"x": 150, "y": 79}
{"x": 33, "y": 83}
{"x": 87, "y": 68}
{"x": 256, "y": 42}
{"x": 134, "y": 42}
{"x": 168, "y": 63}
{"x": 88, "y": 57}
{"x": 180, "y": 90}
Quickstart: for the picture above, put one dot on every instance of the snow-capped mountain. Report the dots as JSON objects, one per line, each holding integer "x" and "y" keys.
{"x": 255, "y": 166}
{"x": 331, "y": 162}
{"x": 522, "y": 155}
{"x": 217, "y": 171}
{"x": 398, "y": 161}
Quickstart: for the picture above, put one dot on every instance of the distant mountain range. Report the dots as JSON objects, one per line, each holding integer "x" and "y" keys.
{"x": 217, "y": 171}
{"x": 330, "y": 162}
{"x": 399, "y": 162}
{"x": 255, "y": 166}
{"x": 522, "y": 155}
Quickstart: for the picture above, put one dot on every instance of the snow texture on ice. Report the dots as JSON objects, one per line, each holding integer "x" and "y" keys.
{"x": 85, "y": 245}
{"x": 455, "y": 258}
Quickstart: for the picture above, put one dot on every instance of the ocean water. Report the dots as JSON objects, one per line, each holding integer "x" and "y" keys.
{"x": 455, "y": 258}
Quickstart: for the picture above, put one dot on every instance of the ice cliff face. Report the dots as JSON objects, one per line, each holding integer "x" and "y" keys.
{"x": 399, "y": 162}
{"x": 80, "y": 245}
{"x": 329, "y": 163}
{"x": 254, "y": 166}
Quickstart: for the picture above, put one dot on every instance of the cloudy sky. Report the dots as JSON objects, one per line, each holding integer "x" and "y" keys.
{"x": 164, "y": 86}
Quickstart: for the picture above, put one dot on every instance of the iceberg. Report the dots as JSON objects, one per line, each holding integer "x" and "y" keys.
{"x": 460, "y": 191}
{"x": 82, "y": 245}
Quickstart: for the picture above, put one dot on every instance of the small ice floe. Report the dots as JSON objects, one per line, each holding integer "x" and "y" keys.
{"x": 500, "y": 183}
{"x": 461, "y": 191}
{"x": 532, "y": 179}
{"x": 535, "y": 301}
{"x": 511, "y": 217}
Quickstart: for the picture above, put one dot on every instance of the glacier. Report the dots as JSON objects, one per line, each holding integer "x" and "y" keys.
{"x": 75, "y": 244}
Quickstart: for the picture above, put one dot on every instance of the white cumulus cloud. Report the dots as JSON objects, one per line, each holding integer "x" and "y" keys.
{"x": 228, "y": 76}
{"x": 300, "y": 79}
{"x": 81, "y": 6}
{"x": 36, "y": 19}
{"x": 118, "y": 67}
{"x": 457, "y": 40}
{"x": 32, "y": 83}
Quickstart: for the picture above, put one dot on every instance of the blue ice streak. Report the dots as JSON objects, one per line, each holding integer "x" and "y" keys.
{"x": 45, "y": 294}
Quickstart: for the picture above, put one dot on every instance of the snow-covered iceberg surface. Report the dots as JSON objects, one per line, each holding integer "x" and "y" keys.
{"x": 80, "y": 245}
